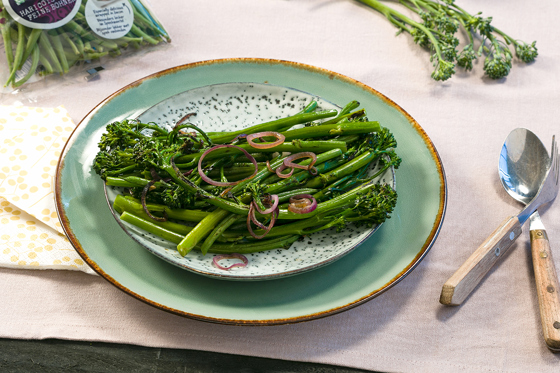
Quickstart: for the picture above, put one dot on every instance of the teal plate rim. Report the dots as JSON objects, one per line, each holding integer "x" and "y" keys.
{"x": 329, "y": 301}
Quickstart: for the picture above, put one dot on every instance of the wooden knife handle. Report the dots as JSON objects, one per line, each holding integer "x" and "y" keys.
{"x": 473, "y": 270}
{"x": 547, "y": 288}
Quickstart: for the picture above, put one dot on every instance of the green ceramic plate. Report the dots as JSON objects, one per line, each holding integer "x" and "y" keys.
{"x": 376, "y": 265}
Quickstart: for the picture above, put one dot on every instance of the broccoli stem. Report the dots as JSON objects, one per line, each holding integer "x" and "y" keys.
{"x": 218, "y": 231}
{"x": 272, "y": 177}
{"x": 352, "y": 105}
{"x": 285, "y": 196}
{"x": 345, "y": 169}
{"x": 400, "y": 18}
{"x": 340, "y": 202}
{"x": 275, "y": 125}
{"x": 283, "y": 242}
{"x": 312, "y": 106}
{"x": 178, "y": 228}
{"x": 201, "y": 230}
{"x": 131, "y": 182}
{"x": 151, "y": 227}
{"x": 259, "y": 176}
{"x": 134, "y": 206}
{"x": 302, "y": 227}
{"x": 297, "y": 178}
{"x": 295, "y": 146}
{"x": 349, "y": 128}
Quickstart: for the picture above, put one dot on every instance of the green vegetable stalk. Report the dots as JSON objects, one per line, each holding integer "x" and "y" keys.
{"x": 73, "y": 44}
{"x": 333, "y": 152}
{"x": 436, "y": 30}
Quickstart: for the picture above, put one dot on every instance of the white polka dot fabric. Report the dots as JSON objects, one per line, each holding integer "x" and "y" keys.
{"x": 31, "y": 140}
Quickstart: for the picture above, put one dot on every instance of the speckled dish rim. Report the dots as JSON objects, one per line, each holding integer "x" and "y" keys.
{"x": 428, "y": 243}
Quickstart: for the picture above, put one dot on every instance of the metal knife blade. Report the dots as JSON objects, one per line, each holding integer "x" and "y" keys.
{"x": 535, "y": 222}
{"x": 546, "y": 282}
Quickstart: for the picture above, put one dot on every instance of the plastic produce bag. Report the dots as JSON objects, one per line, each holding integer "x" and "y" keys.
{"x": 42, "y": 38}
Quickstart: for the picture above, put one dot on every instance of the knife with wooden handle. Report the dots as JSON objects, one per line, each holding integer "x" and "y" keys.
{"x": 546, "y": 281}
{"x": 461, "y": 284}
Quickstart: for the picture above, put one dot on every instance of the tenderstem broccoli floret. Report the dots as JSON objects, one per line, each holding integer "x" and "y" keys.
{"x": 440, "y": 21}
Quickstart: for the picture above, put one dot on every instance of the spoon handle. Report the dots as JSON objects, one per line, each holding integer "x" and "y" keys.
{"x": 473, "y": 270}
{"x": 547, "y": 288}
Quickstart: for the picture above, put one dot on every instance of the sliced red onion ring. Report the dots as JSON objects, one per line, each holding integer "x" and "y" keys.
{"x": 274, "y": 199}
{"x": 269, "y": 167}
{"x": 241, "y": 257}
{"x": 242, "y": 136}
{"x": 266, "y": 229}
{"x": 281, "y": 168}
{"x": 184, "y": 119}
{"x": 280, "y": 139}
{"x": 225, "y": 192}
{"x": 289, "y": 161}
{"x": 154, "y": 174}
{"x": 145, "y": 207}
{"x": 219, "y": 183}
{"x": 296, "y": 203}
{"x": 254, "y": 218}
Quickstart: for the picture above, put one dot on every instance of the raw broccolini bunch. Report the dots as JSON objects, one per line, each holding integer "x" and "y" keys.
{"x": 440, "y": 22}
{"x": 55, "y": 51}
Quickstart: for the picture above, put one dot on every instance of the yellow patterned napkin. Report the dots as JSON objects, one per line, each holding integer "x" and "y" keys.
{"x": 31, "y": 141}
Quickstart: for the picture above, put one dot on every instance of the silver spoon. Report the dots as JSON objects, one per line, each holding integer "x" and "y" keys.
{"x": 522, "y": 181}
{"x": 526, "y": 163}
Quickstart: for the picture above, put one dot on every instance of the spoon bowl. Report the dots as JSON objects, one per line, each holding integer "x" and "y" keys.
{"x": 523, "y": 165}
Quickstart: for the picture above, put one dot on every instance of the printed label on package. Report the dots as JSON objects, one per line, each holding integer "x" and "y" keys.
{"x": 42, "y": 14}
{"x": 110, "y": 19}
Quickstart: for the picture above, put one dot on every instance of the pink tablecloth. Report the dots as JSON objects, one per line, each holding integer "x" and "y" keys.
{"x": 405, "y": 329}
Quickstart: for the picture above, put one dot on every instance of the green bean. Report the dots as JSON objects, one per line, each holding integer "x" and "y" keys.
{"x": 31, "y": 42}
{"x": 78, "y": 42}
{"x": 58, "y": 49}
{"x": 34, "y": 63}
{"x": 138, "y": 32}
{"x": 19, "y": 53}
{"x": 46, "y": 46}
{"x": 70, "y": 43}
{"x": 48, "y": 69}
{"x": 7, "y": 38}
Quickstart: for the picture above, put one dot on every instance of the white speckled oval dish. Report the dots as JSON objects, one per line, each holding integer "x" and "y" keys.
{"x": 233, "y": 106}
